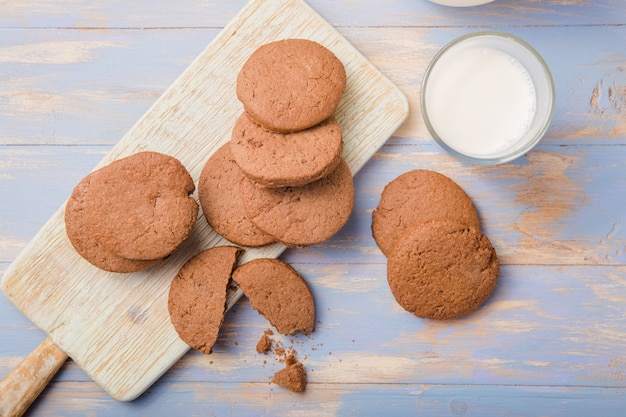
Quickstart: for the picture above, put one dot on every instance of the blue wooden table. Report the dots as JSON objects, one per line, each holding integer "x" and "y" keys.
{"x": 75, "y": 76}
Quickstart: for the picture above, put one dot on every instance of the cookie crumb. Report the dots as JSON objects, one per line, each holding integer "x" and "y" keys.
{"x": 264, "y": 345}
{"x": 292, "y": 377}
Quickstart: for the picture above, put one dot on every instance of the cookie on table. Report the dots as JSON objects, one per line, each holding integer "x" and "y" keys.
{"x": 279, "y": 293}
{"x": 302, "y": 216}
{"x": 85, "y": 244}
{"x": 286, "y": 159}
{"x": 291, "y": 84}
{"x": 140, "y": 207}
{"x": 442, "y": 269}
{"x": 219, "y": 192}
{"x": 197, "y": 296}
{"x": 417, "y": 196}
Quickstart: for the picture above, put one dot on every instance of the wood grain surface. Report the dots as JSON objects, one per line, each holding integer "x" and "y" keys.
{"x": 76, "y": 76}
{"x": 117, "y": 327}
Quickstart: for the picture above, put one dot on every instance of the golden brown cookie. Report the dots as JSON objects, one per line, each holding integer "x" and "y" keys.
{"x": 279, "y": 293}
{"x": 219, "y": 192}
{"x": 197, "y": 296}
{"x": 442, "y": 269}
{"x": 139, "y": 207}
{"x": 291, "y": 84}
{"x": 302, "y": 216}
{"x": 417, "y": 196}
{"x": 286, "y": 159}
{"x": 85, "y": 244}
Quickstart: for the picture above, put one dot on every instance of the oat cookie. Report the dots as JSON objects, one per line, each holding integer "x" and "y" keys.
{"x": 219, "y": 192}
{"x": 279, "y": 293}
{"x": 286, "y": 159}
{"x": 442, "y": 269}
{"x": 197, "y": 296}
{"x": 417, "y": 196}
{"x": 302, "y": 216}
{"x": 139, "y": 207}
{"x": 291, "y": 84}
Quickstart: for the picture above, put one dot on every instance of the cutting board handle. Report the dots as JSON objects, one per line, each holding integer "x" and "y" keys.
{"x": 24, "y": 383}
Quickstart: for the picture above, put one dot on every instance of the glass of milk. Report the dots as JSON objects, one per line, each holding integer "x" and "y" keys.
{"x": 487, "y": 97}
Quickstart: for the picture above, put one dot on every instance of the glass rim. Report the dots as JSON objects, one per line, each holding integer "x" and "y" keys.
{"x": 515, "y": 152}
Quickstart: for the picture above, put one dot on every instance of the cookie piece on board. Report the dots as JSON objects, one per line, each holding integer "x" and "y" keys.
{"x": 279, "y": 293}
{"x": 442, "y": 269}
{"x": 302, "y": 216}
{"x": 417, "y": 196}
{"x": 219, "y": 192}
{"x": 139, "y": 207}
{"x": 197, "y": 296}
{"x": 85, "y": 244}
{"x": 291, "y": 84}
{"x": 286, "y": 159}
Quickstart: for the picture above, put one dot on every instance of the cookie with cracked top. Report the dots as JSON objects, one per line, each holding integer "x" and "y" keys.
{"x": 140, "y": 207}
{"x": 417, "y": 196}
{"x": 286, "y": 159}
{"x": 442, "y": 269}
{"x": 219, "y": 192}
{"x": 291, "y": 84}
{"x": 76, "y": 229}
{"x": 302, "y": 216}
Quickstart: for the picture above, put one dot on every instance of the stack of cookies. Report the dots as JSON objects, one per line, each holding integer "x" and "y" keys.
{"x": 440, "y": 265}
{"x": 281, "y": 177}
{"x": 130, "y": 214}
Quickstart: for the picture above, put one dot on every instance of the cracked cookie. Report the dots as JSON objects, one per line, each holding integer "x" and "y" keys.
{"x": 302, "y": 216}
{"x": 279, "y": 293}
{"x": 442, "y": 269}
{"x": 286, "y": 159}
{"x": 197, "y": 296}
{"x": 139, "y": 207}
{"x": 291, "y": 84}
{"x": 219, "y": 192}
{"x": 417, "y": 196}
{"x": 76, "y": 228}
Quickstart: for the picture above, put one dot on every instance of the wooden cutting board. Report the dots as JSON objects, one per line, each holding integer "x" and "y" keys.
{"x": 116, "y": 327}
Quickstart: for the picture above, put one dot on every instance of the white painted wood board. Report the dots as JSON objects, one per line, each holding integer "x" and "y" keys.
{"x": 116, "y": 327}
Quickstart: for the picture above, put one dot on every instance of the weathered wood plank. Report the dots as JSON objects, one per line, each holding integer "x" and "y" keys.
{"x": 89, "y": 87}
{"x": 197, "y": 13}
{"x": 372, "y": 399}
{"x": 557, "y": 325}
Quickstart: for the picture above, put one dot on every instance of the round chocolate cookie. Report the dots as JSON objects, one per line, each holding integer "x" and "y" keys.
{"x": 291, "y": 84}
{"x": 286, "y": 159}
{"x": 279, "y": 293}
{"x": 417, "y": 196}
{"x": 139, "y": 207}
{"x": 302, "y": 216}
{"x": 219, "y": 191}
{"x": 85, "y": 244}
{"x": 442, "y": 269}
{"x": 197, "y": 296}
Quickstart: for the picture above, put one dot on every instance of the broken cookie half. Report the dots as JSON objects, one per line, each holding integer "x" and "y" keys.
{"x": 197, "y": 296}
{"x": 278, "y": 292}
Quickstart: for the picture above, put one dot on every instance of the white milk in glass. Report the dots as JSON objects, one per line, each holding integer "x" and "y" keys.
{"x": 480, "y": 100}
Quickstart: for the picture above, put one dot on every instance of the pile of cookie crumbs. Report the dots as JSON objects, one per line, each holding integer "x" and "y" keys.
{"x": 293, "y": 375}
